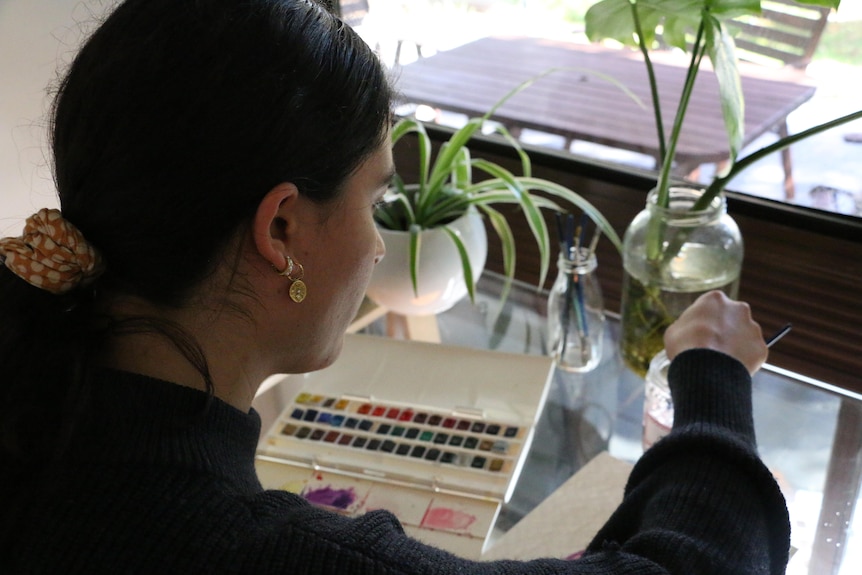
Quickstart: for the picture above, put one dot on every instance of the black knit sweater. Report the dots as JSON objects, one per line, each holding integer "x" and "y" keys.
{"x": 153, "y": 484}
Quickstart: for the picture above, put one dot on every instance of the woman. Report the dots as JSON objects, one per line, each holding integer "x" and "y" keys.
{"x": 218, "y": 163}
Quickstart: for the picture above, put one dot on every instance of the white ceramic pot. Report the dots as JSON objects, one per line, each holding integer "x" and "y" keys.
{"x": 440, "y": 275}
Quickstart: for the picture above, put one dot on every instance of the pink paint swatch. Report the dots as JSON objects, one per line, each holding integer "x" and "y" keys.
{"x": 445, "y": 518}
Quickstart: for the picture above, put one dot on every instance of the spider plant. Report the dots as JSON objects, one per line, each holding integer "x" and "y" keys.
{"x": 447, "y": 189}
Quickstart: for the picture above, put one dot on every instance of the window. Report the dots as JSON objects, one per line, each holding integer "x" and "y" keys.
{"x": 825, "y": 169}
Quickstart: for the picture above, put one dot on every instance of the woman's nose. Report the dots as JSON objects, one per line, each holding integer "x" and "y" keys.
{"x": 381, "y": 249}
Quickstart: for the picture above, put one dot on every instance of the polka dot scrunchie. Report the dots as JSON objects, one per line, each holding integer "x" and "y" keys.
{"x": 51, "y": 254}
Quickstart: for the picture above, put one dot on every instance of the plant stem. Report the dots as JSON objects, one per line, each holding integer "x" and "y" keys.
{"x": 698, "y": 50}
{"x": 654, "y": 230}
{"x": 718, "y": 184}
{"x": 653, "y": 84}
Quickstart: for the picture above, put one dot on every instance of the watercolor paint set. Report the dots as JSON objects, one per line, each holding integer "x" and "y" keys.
{"x": 435, "y": 434}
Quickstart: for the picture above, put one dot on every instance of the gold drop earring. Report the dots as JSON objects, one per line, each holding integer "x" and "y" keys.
{"x": 298, "y": 290}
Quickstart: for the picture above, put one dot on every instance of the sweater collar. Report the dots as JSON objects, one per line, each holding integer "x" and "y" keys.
{"x": 132, "y": 418}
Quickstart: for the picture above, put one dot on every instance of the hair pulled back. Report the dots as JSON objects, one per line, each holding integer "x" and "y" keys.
{"x": 178, "y": 116}
{"x": 173, "y": 121}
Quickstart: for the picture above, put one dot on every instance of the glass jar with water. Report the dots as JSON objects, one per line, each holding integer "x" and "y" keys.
{"x": 671, "y": 256}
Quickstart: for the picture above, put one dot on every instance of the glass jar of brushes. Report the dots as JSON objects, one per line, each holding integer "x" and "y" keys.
{"x": 576, "y": 316}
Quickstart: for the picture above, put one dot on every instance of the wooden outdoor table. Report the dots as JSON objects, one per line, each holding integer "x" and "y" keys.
{"x": 576, "y": 103}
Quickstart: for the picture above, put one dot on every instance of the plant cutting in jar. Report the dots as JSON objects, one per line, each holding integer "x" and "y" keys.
{"x": 447, "y": 189}
{"x": 674, "y": 265}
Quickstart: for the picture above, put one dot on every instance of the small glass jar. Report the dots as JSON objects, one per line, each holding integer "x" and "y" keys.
{"x": 576, "y": 314}
{"x": 658, "y": 405}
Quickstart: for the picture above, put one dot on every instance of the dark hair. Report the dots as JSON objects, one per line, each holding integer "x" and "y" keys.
{"x": 173, "y": 121}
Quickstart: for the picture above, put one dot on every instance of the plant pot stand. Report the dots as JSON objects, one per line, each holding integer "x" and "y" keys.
{"x": 412, "y": 327}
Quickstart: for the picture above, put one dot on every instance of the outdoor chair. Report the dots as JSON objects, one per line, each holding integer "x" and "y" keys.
{"x": 785, "y": 35}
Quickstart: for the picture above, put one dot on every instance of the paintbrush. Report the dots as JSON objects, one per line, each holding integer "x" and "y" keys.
{"x": 565, "y": 237}
{"x": 778, "y": 335}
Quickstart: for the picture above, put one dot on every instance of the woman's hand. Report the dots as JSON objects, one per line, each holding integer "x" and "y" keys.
{"x": 716, "y": 322}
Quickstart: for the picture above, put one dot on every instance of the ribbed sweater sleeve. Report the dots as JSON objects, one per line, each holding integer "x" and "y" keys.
{"x": 701, "y": 500}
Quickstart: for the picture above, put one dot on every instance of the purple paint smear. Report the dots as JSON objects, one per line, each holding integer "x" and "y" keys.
{"x": 338, "y": 498}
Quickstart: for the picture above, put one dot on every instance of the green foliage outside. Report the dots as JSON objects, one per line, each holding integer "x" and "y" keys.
{"x": 841, "y": 42}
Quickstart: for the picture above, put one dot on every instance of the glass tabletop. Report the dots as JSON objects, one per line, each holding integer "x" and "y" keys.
{"x": 809, "y": 433}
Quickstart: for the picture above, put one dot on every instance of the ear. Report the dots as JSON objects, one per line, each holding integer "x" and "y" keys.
{"x": 271, "y": 224}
